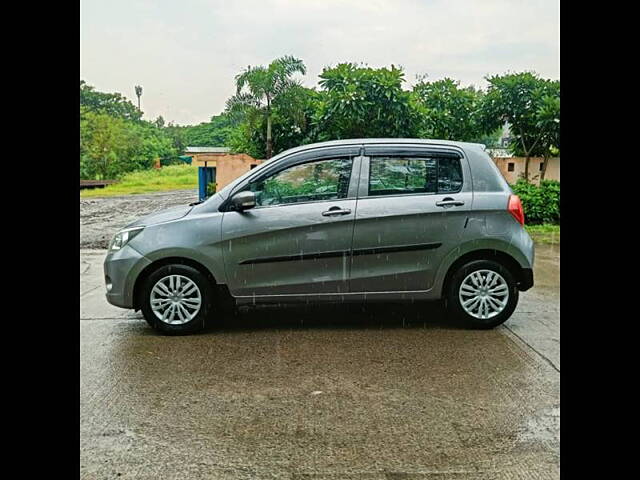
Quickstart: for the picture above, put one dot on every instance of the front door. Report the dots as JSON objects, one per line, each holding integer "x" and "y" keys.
{"x": 412, "y": 209}
{"x": 297, "y": 240}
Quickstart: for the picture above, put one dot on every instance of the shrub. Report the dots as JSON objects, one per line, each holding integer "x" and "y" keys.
{"x": 541, "y": 204}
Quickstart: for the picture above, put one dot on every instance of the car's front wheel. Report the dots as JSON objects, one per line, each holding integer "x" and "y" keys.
{"x": 482, "y": 293}
{"x": 176, "y": 299}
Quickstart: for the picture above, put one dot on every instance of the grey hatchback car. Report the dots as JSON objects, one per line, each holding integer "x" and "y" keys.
{"x": 348, "y": 220}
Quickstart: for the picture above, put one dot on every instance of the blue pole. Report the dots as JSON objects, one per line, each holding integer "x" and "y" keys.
{"x": 202, "y": 183}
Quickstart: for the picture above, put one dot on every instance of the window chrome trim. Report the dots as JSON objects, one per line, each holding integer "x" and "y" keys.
{"x": 363, "y": 191}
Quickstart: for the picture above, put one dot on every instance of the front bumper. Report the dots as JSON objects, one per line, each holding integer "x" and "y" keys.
{"x": 526, "y": 279}
{"x": 121, "y": 268}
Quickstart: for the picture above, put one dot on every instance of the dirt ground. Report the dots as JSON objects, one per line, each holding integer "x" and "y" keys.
{"x": 101, "y": 218}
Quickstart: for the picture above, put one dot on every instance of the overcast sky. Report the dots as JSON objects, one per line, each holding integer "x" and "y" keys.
{"x": 186, "y": 53}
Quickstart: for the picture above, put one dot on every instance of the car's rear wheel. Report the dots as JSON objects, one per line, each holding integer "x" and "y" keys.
{"x": 176, "y": 299}
{"x": 482, "y": 293}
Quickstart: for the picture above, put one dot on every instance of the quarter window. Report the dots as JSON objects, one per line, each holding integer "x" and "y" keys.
{"x": 449, "y": 175}
{"x": 406, "y": 175}
{"x": 307, "y": 182}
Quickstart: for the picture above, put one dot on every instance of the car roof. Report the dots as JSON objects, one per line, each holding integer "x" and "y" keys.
{"x": 381, "y": 141}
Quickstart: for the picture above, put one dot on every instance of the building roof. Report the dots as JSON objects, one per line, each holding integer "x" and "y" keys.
{"x": 207, "y": 150}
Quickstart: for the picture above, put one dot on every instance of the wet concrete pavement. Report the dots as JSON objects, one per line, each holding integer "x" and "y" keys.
{"x": 335, "y": 392}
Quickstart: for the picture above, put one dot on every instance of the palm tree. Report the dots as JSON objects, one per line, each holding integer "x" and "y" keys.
{"x": 138, "y": 94}
{"x": 257, "y": 87}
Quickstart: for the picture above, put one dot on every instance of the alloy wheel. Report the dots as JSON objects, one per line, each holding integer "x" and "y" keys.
{"x": 175, "y": 299}
{"x": 484, "y": 294}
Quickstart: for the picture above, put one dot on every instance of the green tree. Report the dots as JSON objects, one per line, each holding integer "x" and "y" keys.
{"x": 450, "y": 111}
{"x": 516, "y": 98}
{"x": 359, "y": 102}
{"x": 293, "y": 117}
{"x": 207, "y": 134}
{"x": 245, "y": 138}
{"x": 104, "y": 141}
{"x": 111, "y": 146}
{"x": 176, "y": 134}
{"x": 548, "y": 120}
{"x": 291, "y": 120}
{"x": 490, "y": 140}
{"x": 258, "y": 87}
{"x": 113, "y": 104}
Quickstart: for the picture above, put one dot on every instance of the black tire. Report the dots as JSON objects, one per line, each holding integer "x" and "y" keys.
{"x": 199, "y": 320}
{"x": 454, "y": 306}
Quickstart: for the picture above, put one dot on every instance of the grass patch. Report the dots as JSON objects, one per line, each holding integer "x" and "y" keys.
{"x": 546, "y": 233}
{"x": 172, "y": 177}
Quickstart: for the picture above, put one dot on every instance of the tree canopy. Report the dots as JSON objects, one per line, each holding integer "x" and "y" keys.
{"x": 450, "y": 112}
{"x": 113, "y": 104}
{"x": 272, "y": 111}
{"x": 519, "y": 98}
{"x": 114, "y": 139}
{"x": 258, "y": 88}
{"x": 359, "y": 102}
{"x": 213, "y": 133}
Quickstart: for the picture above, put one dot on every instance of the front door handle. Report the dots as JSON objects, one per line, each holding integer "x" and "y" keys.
{"x": 336, "y": 211}
{"x": 449, "y": 202}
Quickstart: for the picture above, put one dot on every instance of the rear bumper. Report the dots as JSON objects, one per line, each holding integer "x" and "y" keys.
{"x": 526, "y": 279}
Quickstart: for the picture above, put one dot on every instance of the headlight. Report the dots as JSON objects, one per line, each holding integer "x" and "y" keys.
{"x": 122, "y": 237}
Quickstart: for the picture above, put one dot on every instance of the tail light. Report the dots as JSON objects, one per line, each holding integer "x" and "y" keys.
{"x": 515, "y": 209}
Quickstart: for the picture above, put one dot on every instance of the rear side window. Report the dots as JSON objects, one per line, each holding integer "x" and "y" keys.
{"x": 408, "y": 175}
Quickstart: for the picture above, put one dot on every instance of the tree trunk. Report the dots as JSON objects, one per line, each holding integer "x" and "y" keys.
{"x": 526, "y": 154}
{"x": 544, "y": 167}
{"x": 269, "y": 141}
{"x": 103, "y": 170}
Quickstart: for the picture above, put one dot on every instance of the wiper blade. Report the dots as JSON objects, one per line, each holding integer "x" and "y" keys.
{"x": 196, "y": 203}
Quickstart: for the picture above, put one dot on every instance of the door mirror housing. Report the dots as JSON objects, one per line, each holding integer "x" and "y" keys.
{"x": 244, "y": 200}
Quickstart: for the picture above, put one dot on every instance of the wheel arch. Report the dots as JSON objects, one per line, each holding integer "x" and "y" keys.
{"x": 152, "y": 267}
{"x": 495, "y": 255}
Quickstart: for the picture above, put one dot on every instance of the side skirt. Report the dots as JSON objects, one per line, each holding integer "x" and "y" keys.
{"x": 339, "y": 298}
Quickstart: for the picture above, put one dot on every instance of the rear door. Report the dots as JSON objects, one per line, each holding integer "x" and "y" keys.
{"x": 412, "y": 208}
{"x": 297, "y": 240}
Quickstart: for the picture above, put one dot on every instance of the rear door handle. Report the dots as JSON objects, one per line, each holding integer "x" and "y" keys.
{"x": 449, "y": 202}
{"x": 336, "y": 211}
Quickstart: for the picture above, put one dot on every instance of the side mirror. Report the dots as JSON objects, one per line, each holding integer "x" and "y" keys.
{"x": 242, "y": 201}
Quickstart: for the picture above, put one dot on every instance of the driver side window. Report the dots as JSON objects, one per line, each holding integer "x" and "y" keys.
{"x": 307, "y": 182}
